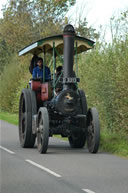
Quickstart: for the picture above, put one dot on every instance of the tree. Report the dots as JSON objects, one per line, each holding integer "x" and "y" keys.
{"x": 26, "y": 21}
{"x": 119, "y": 26}
{"x": 84, "y": 30}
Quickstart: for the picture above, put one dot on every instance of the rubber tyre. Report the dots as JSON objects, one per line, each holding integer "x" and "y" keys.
{"x": 34, "y": 111}
{"x": 77, "y": 140}
{"x": 93, "y": 130}
{"x": 84, "y": 107}
{"x": 43, "y": 130}
{"x": 27, "y": 140}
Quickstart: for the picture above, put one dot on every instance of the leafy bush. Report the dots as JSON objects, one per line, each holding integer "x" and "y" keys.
{"x": 14, "y": 73}
{"x": 105, "y": 81}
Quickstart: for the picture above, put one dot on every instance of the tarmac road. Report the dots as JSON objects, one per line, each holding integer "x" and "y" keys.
{"x": 61, "y": 170}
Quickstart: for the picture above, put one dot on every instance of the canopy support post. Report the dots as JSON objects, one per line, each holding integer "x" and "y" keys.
{"x": 44, "y": 67}
{"x": 76, "y": 60}
{"x": 54, "y": 65}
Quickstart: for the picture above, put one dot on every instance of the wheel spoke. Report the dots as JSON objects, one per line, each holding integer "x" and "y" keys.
{"x": 41, "y": 128}
{"x": 38, "y": 140}
{"x": 40, "y": 134}
{"x": 23, "y": 135}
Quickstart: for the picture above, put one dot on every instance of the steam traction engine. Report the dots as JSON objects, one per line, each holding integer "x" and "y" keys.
{"x": 45, "y": 110}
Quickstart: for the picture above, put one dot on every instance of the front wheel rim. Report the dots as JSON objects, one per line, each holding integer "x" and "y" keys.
{"x": 40, "y": 134}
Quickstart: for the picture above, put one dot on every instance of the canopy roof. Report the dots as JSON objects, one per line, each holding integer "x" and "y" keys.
{"x": 46, "y": 45}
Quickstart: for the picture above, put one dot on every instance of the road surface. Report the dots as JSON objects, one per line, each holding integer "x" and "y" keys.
{"x": 61, "y": 170}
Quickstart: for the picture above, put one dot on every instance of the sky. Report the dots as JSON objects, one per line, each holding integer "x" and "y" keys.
{"x": 97, "y": 12}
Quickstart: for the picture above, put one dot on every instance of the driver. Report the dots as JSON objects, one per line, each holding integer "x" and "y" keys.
{"x": 38, "y": 71}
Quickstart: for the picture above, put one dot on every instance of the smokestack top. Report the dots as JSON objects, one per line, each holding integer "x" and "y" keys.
{"x": 69, "y": 29}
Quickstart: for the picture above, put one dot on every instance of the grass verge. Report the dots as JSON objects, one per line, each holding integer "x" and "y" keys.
{"x": 115, "y": 143}
{"x": 9, "y": 117}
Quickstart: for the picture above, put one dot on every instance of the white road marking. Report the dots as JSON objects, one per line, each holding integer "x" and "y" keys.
{"x": 44, "y": 168}
{"x": 7, "y": 150}
{"x": 88, "y": 191}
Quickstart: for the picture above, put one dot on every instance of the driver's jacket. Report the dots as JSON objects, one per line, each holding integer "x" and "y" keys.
{"x": 38, "y": 73}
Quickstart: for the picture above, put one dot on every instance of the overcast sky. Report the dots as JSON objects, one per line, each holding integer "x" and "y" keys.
{"x": 98, "y": 12}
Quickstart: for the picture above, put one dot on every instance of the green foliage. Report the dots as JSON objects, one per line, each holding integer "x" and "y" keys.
{"x": 16, "y": 96}
{"x": 10, "y": 80}
{"x": 105, "y": 78}
{"x": 4, "y": 54}
{"x": 105, "y": 81}
{"x": 25, "y": 21}
{"x": 119, "y": 26}
{"x": 85, "y": 31}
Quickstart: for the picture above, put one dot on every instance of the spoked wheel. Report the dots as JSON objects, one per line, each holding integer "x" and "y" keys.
{"x": 77, "y": 140}
{"x": 26, "y": 110}
{"x": 43, "y": 130}
{"x": 93, "y": 130}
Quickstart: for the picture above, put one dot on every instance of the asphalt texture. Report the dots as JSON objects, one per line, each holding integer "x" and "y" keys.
{"x": 61, "y": 170}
